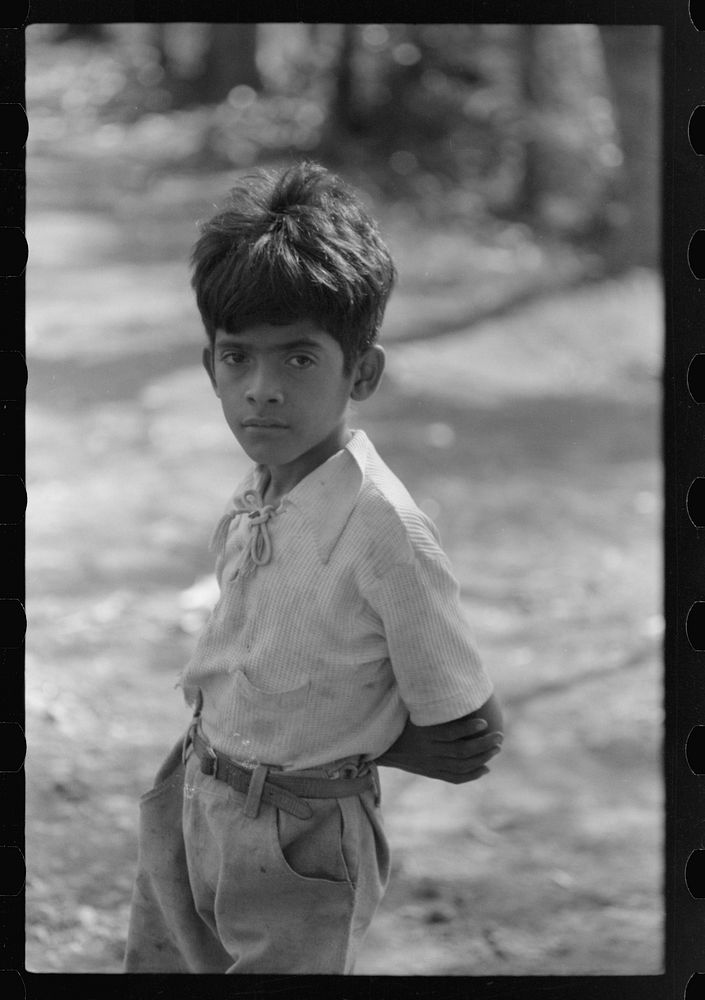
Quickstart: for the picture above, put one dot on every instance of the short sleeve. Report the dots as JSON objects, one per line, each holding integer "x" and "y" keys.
{"x": 433, "y": 655}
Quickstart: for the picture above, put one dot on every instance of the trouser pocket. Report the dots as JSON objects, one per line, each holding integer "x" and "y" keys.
{"x": 165, "y": 933}
{"x": 313, "y": 848}
{"x": 171, "y": 771}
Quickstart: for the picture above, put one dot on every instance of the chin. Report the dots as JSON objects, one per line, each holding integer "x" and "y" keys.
{"x": 264, "y": 455}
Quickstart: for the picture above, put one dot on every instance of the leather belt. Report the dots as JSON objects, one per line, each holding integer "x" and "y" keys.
{"x": 284, "y": 789}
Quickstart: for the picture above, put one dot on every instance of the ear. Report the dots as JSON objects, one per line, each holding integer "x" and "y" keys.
{"x": 368, "y": 372}
{"x": 207, "y": 359}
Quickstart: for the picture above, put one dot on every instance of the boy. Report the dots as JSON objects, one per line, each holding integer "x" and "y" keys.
{"x": 337, "y": 643}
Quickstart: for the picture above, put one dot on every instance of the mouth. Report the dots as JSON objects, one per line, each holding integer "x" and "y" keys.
{"x": 260, "y": 424}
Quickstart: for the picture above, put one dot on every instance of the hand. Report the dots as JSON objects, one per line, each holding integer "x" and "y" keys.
{"x": 451, "y": 751}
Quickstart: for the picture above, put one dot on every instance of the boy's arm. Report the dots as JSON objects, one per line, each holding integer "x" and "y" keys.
{"x": 455, "y": 751}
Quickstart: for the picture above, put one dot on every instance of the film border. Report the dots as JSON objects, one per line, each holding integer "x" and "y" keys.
{"x": 683, "y": 432}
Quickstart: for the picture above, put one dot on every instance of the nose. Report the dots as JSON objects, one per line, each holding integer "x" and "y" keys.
{"x": 264, "y": 387}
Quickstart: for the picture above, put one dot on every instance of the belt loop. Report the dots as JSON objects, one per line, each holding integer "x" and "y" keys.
{"x": 254, "y": 791}
{"x": 199, "y": 704}
{"x": 186, "y": 744}
{"x": 374, "y": 773}
{"x": 188, "y": 738}
{"x": 209, "y": 763}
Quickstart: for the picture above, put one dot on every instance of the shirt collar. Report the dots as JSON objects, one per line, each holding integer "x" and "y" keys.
{"x": 326, "y": 497}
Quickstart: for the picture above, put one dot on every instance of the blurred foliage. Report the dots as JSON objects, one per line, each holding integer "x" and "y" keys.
{"x": 463, "y": 121}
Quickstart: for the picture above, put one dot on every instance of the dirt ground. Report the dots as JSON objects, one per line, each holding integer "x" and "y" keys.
{"x": 532, "y": 440}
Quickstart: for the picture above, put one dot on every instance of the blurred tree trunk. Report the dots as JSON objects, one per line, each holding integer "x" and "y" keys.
{"x": 633, "y": 69}
{"x": 561, "y": 80}
{"x": 345, "y": 108}
{"x": 529, "y": 195}
{"x": 230, "y": 59}
{"x": 345, "y": 121}
{"x": 203, "y": 63}
{"x": 89, "y": 32}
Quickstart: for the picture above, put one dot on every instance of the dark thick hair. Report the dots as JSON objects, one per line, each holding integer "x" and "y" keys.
{"x": 289, "y": 246}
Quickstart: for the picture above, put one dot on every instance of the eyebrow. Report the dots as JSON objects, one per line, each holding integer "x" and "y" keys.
{"x": 232, "y": 340}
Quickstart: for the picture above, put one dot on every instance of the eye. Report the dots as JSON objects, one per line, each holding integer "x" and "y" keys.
{"x": 233, "y": 358}
{"x": 301, "y": 361}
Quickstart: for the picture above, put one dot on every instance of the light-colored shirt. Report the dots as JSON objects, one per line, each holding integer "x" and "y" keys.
{"x": 338, "y": 619}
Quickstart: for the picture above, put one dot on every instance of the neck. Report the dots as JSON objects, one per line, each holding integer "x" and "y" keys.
{"x": 281, "y": 479}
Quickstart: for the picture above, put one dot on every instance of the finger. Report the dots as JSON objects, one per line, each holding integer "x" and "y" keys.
{"x": 464, "y": 762}
{"x": 457, "y": 729}
{"x": 462, "y": 779}
{"x": 465, "y": 734}
{"x": 468, "y": 748}
{"x": 489, "y": 739}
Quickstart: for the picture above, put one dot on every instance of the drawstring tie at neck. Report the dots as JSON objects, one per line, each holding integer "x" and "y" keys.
{"x": 258, "y": 550}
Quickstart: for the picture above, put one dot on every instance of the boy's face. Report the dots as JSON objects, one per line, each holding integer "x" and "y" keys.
{"x": 284, "y": 392}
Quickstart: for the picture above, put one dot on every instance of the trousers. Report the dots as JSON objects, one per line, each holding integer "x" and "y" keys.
{"x": 219, "y": 892}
